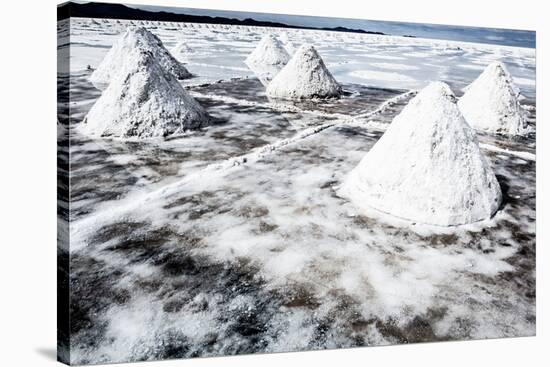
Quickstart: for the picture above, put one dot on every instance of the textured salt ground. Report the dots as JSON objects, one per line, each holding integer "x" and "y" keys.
{"x": 88, "y": 273}
{"x": 118, "y": 164}
{"x": 220, "y": 269}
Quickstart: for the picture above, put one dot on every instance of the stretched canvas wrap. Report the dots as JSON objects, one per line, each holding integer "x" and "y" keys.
{"x": 233, "y": 183}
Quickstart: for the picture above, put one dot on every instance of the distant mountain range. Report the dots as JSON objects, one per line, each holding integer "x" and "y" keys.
{"x": 119, "y": 11}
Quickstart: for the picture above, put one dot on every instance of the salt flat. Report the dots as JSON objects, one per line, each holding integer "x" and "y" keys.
{"x": 232, "y": 239}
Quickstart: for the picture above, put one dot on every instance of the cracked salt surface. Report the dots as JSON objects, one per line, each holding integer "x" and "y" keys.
{"x": 232, "y": 240}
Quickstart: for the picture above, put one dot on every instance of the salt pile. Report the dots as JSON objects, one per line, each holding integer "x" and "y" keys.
{"x": 491, "y": 102}
{"x": 427, "y": 167}
{"x": 268, "y": 58}
{"x": 305, "y": 76}
{"x": 143, "y": 100}
{"x": 136, "y": 39}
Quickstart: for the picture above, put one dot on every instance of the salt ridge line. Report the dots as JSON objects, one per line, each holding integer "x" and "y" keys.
{"x": 271, "y": 105}
{"x": 83, "y": 226}
{"x": 261, "y": 152}
{"x": 281, "y": 107}
{"x": 523, "y": 155}
{"x": 236, "y": 68}
{"x": 354, "y": 121}
{"x": 188, "y": 86}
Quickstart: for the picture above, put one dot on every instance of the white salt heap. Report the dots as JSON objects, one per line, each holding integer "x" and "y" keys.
{"x": 269, "y": 52}
{"x": 143, "y": 100}
{"x": 305, "y": 76}
{"x": 136, "y": 40}
{"x": 427, "y": 167}
{"x": 268, "y": 58}
{"x": 491, "y": 103}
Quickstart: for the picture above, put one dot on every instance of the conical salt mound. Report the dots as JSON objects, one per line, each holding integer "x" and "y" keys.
{"x": 143, "y": 100}
{"x": 136, "y": 40}
{"x": 269, "y": 52}
{"x": 427, "y": 167}
{"x": 304, "y": 76}
{"x": 267, "y": 59}
{"x": 491, "y": 104}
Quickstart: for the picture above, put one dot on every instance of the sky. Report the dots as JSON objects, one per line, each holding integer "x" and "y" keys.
{"x": 506, "y": 37}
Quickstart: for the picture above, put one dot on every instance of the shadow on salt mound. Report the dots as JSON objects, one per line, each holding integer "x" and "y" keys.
{"x": 136, "y": 39}
{"x": 427, "y": 167}
{"x": 305, "y": 76}
{"x": 491, "y": 103}
{"x": 142, "y": 101}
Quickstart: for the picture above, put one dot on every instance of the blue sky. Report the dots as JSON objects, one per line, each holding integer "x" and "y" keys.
{"x": 458, "y": 33}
